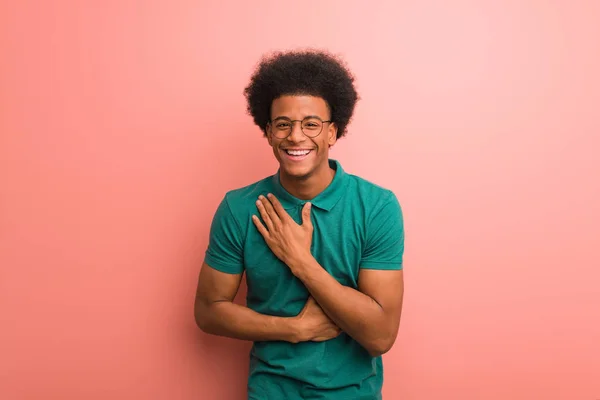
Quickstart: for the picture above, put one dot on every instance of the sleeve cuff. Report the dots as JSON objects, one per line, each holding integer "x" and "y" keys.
{"x": 223, "y": 267}
{"x": 382, "y": 266}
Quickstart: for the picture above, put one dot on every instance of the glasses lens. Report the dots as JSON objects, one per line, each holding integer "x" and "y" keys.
{"x": 312, "y": 126}
{"x": 281, "y": 127}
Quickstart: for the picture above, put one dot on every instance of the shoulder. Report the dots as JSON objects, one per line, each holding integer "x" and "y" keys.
{"x": 241, "y": 201}
{"x": 372, "y": 195}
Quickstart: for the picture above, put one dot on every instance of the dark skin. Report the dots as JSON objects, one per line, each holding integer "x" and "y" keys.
{"x": 217, "y": 314}
{"x": 214, "y": 308}
{"x": 370, "y": 315}
{"x": 309, "y": 177}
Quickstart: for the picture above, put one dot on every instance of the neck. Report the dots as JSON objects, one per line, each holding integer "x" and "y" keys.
{"x": 307, "y": 188}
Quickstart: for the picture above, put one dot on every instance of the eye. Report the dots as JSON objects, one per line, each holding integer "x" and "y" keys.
{"x": 282, "y": 125}
{"x": 311, "y": 125}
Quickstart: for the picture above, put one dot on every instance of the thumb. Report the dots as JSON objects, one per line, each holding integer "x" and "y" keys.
{"x": 306, "y": 215}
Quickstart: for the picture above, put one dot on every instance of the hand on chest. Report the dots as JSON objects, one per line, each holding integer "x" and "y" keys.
{"x": 337, "y": 245}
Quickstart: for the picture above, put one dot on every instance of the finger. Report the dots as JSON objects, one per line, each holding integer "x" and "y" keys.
{"x": 261, "y": 228}
{"x": 264, "y": 214}
{"x": 306, "y": 215}
{"x": 270, "y": 210}
{"x": 278, "y": 207}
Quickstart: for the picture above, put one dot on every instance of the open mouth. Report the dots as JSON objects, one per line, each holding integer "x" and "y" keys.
{"x": 297, "y": 155}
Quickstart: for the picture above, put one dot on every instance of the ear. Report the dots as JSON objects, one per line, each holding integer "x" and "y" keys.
{"x": 332, "y": 134}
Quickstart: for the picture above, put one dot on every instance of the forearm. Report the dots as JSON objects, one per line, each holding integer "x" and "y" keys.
{"x": 357, "y": 314}
{"x": 225, "y": 318}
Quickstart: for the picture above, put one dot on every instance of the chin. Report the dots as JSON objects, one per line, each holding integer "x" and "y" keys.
{"x": 297, "y": 171}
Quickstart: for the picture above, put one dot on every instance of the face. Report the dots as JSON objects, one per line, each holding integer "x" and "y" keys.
{"x": 299, "y": 155}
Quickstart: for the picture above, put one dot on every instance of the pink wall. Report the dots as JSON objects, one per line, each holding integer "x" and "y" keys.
{"x": 122, "y": 124}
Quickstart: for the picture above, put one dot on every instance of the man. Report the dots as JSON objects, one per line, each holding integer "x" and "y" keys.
{"x": 322, "y": 249}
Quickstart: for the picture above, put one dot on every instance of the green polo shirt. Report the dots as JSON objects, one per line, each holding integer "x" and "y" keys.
{"x": 357, "y": 224}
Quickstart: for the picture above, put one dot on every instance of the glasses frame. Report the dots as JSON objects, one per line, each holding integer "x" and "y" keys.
{"x": 292, "y": 121}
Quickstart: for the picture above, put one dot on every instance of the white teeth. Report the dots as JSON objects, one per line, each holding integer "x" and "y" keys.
{"x": 298, "y": 152}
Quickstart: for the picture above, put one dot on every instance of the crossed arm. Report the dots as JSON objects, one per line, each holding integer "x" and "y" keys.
{"x": 370, "y": 315}
{"x": 216, "y": 313}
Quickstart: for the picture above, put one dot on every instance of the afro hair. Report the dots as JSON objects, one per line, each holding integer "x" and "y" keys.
{"x": 307, "y": 72}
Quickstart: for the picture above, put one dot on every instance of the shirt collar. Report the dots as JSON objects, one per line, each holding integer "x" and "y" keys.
{"x": 325, "y": 200}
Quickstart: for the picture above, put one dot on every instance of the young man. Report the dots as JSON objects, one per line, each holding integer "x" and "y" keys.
{"x": 322, "y": 249}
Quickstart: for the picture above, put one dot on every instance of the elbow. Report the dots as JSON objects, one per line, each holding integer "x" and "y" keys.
{"x": 378, "y": 351}
{"x": 201, "y": 316}
{"x": 381, "y": 346}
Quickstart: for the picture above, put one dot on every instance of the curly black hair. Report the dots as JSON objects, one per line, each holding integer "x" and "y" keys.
{"x": 303, "y": 72}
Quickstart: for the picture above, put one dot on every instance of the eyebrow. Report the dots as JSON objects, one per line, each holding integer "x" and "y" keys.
{"x": 308, "y": 116}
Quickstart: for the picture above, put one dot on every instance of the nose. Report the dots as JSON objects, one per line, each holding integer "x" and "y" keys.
{"x": 296, "y": 135}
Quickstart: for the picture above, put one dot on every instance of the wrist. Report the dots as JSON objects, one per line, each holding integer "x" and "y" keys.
{"x": 299, "y": 264}
{"x": 294, "y": 328}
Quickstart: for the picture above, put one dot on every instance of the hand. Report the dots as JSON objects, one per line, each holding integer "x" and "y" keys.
{"x": 314, "y": 324}
{"x": 289, "y": 241}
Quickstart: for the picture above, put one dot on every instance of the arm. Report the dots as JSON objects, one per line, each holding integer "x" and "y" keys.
{"x": 219, "y": 281}
{"x": 216, "y": 313}
{"x": 370, "y": 315}
{"x": 220, "y": 277}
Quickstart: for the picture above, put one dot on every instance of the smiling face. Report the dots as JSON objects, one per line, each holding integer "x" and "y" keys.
{"x": 299, "y": 155}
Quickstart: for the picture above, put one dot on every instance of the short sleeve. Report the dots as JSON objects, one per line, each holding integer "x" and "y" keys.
{"x": 225, "y": 246}
{"x": 384, "y": 248}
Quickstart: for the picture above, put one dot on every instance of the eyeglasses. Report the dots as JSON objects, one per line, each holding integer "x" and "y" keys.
{"x": 311, "y": 126}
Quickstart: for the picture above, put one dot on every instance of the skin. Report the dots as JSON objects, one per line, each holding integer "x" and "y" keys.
{"x": 370, "y": 315}
{"x": 305, "y": 179}
{"x": 217, "y": 314}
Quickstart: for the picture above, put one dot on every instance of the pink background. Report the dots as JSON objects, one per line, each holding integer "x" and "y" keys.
{"x": 122, "y": 124}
